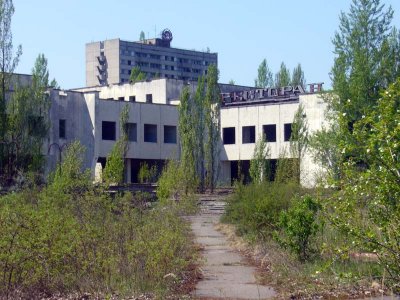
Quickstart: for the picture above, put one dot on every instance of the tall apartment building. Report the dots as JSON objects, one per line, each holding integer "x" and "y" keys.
{"x": 111, "y": 61}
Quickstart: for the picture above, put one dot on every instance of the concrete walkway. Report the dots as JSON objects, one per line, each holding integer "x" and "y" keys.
{"x": 226, "y": 274}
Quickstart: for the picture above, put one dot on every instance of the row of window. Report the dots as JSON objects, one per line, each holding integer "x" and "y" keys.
{"x": 158, "y": 57}
{"x": 108, "y": 132}
{"x": 249, "y": 134}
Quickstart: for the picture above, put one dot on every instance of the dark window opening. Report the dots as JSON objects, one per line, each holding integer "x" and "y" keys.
{"x": 169, "y": 134}
{"x": 131, "y": 130}
{"x": 269, "y": 132}
{"x": 228, "y": 135}
{"x": 61, "y": 129}
{"x": 121, "y": 99}
{"x": 129, "y": 62}
{"x": 150, "y": 133}
{"x": 108, "y": 131}
{"x": 132, "y": 98}
{"x": 103, "y": 161}
{"x": 287, "y": 131}
{"x": 149, "y": 98}
{"x": 248, "y": 134}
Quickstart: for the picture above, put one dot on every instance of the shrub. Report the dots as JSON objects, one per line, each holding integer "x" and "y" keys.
{"x": 298, "y": 225}
{"x": 146, "y": 174}
{"x": 255, "y": 208}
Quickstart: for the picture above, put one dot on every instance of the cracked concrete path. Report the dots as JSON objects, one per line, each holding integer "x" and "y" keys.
{"x": 226, "y": 274}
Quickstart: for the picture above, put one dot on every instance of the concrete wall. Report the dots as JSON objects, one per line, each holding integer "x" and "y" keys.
{"x": 314, "y": 109}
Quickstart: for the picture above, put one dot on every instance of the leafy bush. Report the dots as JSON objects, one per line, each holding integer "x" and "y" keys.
{"x": 298, "y": 225}
{"x": 146, "y": 174}
{"x": 255, "y": 208}
{"x": 73, "y": 237}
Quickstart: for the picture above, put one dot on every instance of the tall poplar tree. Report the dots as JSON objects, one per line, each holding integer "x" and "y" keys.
{"x": 213, "y": 125}
{"x": 264, "y": 78}
{"x": 8, "y": 62}
{"x": 298, "y": 76}
{"x": 282, "y": 78}
{"x": 200, "y": 130}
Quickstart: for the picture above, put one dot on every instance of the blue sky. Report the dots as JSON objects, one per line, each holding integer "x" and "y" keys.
{"x": 242, "y": 32}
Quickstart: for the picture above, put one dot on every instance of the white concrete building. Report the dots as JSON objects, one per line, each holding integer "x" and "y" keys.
{"x": 91, "y": 115}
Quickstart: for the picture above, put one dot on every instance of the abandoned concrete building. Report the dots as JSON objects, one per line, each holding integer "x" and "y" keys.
{"x": 111, "y": 61}
{"x": 91, "y": 115}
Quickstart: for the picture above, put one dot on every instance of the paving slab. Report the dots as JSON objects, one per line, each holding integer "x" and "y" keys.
{"x": 226, "y": 273}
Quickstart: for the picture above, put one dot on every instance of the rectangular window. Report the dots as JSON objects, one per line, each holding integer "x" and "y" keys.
{"x": 287, "y": 131}
{"x": 132, "y": 98}
{"x": 108, "y": 131}
{"x": 169, "y": 134}
{"x": 150, "y": 133}
{"x": 61, "y": 129}
{"x": 149, "y": 98}
{"x": 121, "y": 98}
{"x": 131, "y": 130}
{"x": 248, "y": 134}
{"x": 129, "y": 62}
{"x": 270, "y": 132}
{"x": 228, "y": 135}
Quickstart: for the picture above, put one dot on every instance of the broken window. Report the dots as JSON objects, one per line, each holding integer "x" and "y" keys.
{"x": 150, "y": 133}
{"x": 131, "y": 130}
{"x": 248, "y": 134}
{"x": 108, "y": 131}
{"x": 169, "y": 134}
{"x": 269, "y": 132}
{"x": 287, "y": 131}
{"x": 132, "y": 98}
{"x": 149, "y": 98}
{"x": 228, "y": 135}
{"x": 61, "y": 129}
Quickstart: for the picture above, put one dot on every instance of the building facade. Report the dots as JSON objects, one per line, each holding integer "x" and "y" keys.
{"x": 111, "y": 61}
{"x": 91, "y": 115}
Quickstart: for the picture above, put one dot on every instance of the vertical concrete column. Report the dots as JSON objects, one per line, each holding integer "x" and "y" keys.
{"x": 128, "y": 170}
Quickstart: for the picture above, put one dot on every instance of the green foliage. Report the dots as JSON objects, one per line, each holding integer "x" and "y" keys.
{"x": 170, "y": 182}
{"x": 282, "y": 78}
{"x": 231, "y": 81}
{"x": 367, "y": 55}
{"x": 259, "y": 164}
{"x": 71, "y": 237}
{"x": 189, "y": 113}
{"x": 28, "y": 123}
{"x": 213, "y": 125}
{"x": 147, "y": 174}
{"x": 136, "y": 75}
{"x": 298, "y": 77}
{"x": 255, "y": 208}
{"x": 298, "y": 225}
{"x": 367, "y": 206}
{"x": 114, "y": 171}
{"x": 264, "y": 78}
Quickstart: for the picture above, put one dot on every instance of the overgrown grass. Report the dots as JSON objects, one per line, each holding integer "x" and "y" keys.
{"x": 72, "y": 237}
{"x": 267, "y": 214}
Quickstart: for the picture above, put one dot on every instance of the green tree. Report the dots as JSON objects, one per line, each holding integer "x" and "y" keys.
{"x": 298, "y": 76}
{"x": 114, "y": 171}
{"x": 282, "y": 78}
{"x": 213, "y": 126}
{"x": 264, "y": 78}
{"x": 232, "y": 82}
{"x": 187, "y": 133}
{"x": 8, "y": 63}
{"x": 54, "y": 84}
{"x": 136, "y": 75}
{"x": 199, "y": 119}
{"x": 259, "y": 164}
{"x": 366, "y": 60}
{"x": 28, "y": 121}
{"x": 367, "y": 207}
{"x": 142, "y": 36}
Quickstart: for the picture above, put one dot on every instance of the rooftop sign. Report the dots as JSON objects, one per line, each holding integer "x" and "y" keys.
{"x": 269, "y": 94}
